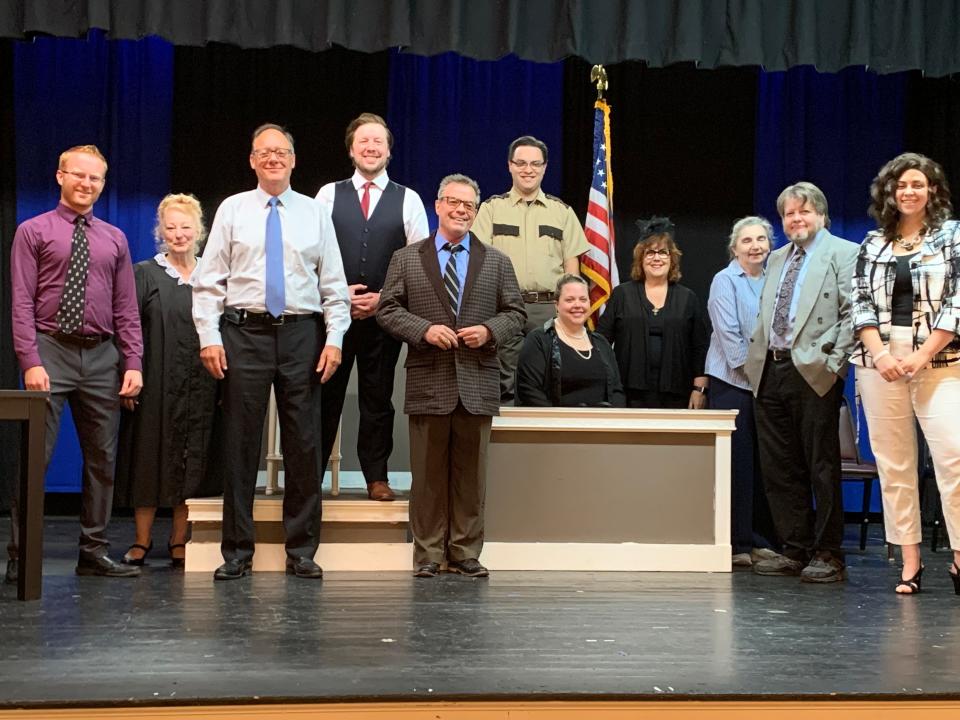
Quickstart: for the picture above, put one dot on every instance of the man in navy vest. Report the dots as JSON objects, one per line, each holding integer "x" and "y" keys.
{"x": 373, "y": 217}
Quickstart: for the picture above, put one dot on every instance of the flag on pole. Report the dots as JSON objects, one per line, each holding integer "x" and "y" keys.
{"x": 599, "y": 264}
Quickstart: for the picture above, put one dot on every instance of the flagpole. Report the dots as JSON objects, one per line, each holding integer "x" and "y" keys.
{"x": 599, "y": 265}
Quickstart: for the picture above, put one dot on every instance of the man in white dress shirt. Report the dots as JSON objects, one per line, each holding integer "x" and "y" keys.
{"x": 374, "y": 217}
{"x": 270, "y": 267}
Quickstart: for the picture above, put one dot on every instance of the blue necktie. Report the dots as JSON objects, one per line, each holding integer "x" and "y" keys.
{"x": 276, "y": 295}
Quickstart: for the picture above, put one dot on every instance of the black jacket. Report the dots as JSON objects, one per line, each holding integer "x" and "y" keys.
{"x": 539, "y": 370}
{"x": 686, "y": 338}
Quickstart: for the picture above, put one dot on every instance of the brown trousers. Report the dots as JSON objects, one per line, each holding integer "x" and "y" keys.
{"x": 448, "y": 462}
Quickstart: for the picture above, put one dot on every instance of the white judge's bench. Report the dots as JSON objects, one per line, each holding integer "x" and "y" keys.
{"x": 567, "y": 489}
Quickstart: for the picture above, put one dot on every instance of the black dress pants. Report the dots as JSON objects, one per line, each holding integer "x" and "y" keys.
{"x": 375, "y": 353}
{"x": 750, "y": 523}
{"x": 285, "y": 357}
{"x": 798, "y": 437}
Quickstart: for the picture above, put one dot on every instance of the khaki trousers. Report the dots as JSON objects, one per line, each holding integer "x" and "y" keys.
{"x": 933, "y": 397}
{"x": 448, "y": 462}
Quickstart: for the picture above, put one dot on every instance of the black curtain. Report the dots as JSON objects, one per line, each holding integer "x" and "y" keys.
{"x": 683, "y": 146}
{"x": 222, "y": 93}
{"x": 888, "y": 35}
{"x": 9, "y": 376}
{"x": 931, "y": 125}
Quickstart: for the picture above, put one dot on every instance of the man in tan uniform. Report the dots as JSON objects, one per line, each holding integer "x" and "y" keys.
{"x": 539, "y": 233}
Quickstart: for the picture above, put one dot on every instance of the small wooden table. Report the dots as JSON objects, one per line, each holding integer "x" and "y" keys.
{"x": 30, "y": 408}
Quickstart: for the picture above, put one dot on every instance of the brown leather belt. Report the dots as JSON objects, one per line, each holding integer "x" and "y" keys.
{"x": 84, "y": 341}
{"x": 533, "y": 296}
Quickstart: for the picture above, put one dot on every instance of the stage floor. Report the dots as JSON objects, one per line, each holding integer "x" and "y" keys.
{"x": 166, "y": 637}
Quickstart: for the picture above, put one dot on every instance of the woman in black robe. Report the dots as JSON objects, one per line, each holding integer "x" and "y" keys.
{"x": 165, "y": 436}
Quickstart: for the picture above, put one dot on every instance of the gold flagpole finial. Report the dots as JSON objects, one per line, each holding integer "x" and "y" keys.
{"x": 598, "y": 76}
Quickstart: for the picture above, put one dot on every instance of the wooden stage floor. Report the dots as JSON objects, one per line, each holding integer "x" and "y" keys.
{"x": 166, "y": 638}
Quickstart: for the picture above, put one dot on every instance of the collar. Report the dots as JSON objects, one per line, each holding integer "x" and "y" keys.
{"x": 735, "y": 268}
{"x": 440, "y": 241}
{"x": 263, "y": 197}
{"x": 71, "y": 215}
{"x": 380, "y": 181}
{"x": 516, "y": 198}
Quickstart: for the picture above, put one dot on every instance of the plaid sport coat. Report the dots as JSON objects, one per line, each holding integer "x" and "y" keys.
{"x": 413, "y": 298}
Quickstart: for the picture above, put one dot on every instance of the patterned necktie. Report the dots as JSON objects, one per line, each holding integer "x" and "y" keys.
{"x": 450, "y": 279}
{"x": 781, "y": 312}
{"x": 275, "y": 291}
{"x": 365, "y": 200}
{"x": 73, "y": 300}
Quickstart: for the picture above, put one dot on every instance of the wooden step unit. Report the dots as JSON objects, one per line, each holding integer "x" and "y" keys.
{"x": 356, "y": 534}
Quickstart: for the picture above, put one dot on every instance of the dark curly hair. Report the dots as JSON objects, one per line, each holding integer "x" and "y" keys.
{"x": 656, "y": 231}
{"x": 883, "y": 193}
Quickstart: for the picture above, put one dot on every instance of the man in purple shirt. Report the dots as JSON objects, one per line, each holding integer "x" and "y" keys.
{"x": 76, "y": 333}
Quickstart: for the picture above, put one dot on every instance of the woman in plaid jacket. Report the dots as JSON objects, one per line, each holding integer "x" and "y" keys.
{"x": 906, "y": 314}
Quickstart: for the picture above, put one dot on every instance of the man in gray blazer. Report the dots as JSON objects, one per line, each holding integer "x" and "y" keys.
{"x": 796, "y": 365}
{"x": 454, "y": 301}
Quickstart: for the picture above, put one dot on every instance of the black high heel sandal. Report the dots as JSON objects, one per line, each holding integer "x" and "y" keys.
{"x": 955, "y": 576}
{"x": 914, "y": 583}
{"x": 175, "y": 561}
{"x": 127, "y": 560}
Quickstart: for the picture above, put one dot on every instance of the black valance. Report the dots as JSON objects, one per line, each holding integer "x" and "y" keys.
{"x": 885, "y": 35}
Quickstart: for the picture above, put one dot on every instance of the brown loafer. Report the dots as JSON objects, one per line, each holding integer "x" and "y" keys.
{"x": 379, "y": 490}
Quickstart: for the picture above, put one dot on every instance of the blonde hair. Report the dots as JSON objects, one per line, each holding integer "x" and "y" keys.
{"x": 87, "y": 149}
{"x": 186, "y": 203}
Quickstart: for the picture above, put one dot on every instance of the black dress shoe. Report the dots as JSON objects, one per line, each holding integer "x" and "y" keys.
{"x": 105, "y": 567}
{"x": 470, "y": 567}
{"x": 233, "y": 570}
{"x": 304, "y": 567}
{"x": 13, "y": 571}
{"x": 427, "y": 570}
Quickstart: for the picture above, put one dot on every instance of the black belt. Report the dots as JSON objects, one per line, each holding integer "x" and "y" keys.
{"x": 246, "y": 317}
{"x": 84, "y": 341}
{"x": 778, "y": 355}
{"x": 533, "y": 296}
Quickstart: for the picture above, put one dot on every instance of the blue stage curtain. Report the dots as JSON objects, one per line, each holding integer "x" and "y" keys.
{"x": 450, "y": 114}
{"x": 836, "y": 131}
{"x": 118, "y": 95}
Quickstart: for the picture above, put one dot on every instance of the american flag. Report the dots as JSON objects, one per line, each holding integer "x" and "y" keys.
{"x": 599, "y": 263}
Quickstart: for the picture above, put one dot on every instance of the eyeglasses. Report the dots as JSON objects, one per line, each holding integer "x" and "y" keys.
{"x": 522, "y": 164}
{"x": 265, "y": 153}
{"x": 457, "y": 202}
{"x": 80, "y": 177}
{"x": 650, "y": 254}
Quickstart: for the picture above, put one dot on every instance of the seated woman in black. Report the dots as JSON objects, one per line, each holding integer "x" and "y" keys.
{"x": 562, "y": 364}
{"x": 657, "y": 326}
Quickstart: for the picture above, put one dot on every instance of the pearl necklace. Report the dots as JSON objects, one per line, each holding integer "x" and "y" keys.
{"x": 568, "y": 336}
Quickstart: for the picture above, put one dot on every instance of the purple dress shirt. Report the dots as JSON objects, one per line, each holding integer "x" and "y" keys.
{"x": 39, "y": 260}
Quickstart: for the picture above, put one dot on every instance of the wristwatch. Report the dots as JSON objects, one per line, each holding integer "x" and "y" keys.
{"x": 699, "y": 389}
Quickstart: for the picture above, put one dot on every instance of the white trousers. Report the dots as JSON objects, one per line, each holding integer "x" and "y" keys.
{"x": 933, "y": 397}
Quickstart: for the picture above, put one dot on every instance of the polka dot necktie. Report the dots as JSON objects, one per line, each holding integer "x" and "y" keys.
{"x": 70, "y": 314}
{"x": 450, "y": 279}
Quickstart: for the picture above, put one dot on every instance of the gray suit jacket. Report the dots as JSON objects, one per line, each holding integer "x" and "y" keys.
{"x": 413, "y": 298}
{"x": 823, "y": 331}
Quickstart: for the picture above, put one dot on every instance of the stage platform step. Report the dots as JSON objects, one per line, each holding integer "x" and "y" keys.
{"x": 356, "y": 534}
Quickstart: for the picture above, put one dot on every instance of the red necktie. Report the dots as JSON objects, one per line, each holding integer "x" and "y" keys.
{"x": 365, "y": 200}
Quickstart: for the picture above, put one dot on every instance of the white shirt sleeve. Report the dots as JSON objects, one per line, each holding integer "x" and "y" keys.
{"x": 334, "y": 297}
{"x": 210, "y": 279}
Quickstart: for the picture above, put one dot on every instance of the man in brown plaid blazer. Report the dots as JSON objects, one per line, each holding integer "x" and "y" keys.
{"x": 454, "y": 301}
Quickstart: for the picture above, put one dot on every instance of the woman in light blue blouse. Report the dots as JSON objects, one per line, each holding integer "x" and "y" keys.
{"x": 733, "y": 306}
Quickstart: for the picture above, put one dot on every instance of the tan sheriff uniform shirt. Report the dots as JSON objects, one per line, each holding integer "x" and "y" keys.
{"x": 537, "y": 237}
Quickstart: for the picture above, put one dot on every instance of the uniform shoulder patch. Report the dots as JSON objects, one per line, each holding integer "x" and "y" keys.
{"x": 555, "y": 199}
{"x": 501, "y": 196}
